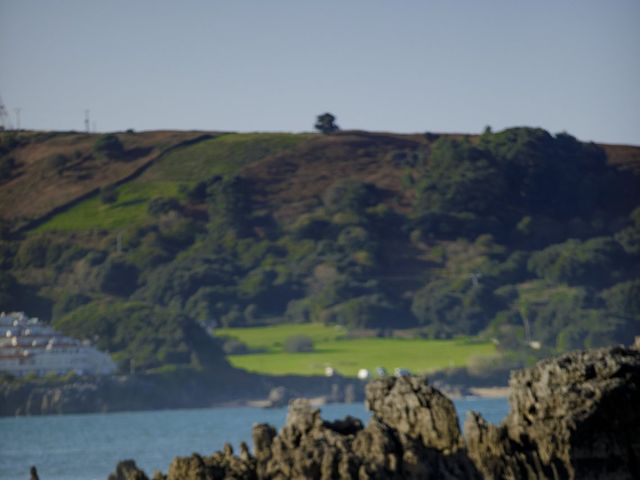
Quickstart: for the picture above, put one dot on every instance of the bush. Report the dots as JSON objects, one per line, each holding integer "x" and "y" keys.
{"x": 353, "y": 238}
{"x": 629, "y": 237}
{"x": 8, "y": 141}
{"x": 349, "y": 195}
{"x": 8, "y": 290}
{"x": 623, "y": 300}
{"x": 298, "y": 344}
{"x": 7, "y": 165}
{"x": 366, "y": 311}
{"x": 523, "y": 172}
{"x": 109, "y": 145}
{"x": 33, "y": 252}
{"x": 69, "y": 302}
{"x": 229, "y": 201}
{"x": 57, "y": 162}
{"x": 198, "y": 193}
{"x": 142, "y": 335}
{"x": 234, "y": 346}
{"x": 446, "y": 307}
{"x": 160, "y": 205}
{"x": 118, "y": 277}
{"x": 311, "y": 227}
{"x": 460, "y": 178}
{"x": 593, "y": 262}
{"x": 39, "y": 252}
{"x": 108, "y": 194}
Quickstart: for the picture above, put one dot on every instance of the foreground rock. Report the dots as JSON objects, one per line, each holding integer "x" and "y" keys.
{"x": 576, "y": 416}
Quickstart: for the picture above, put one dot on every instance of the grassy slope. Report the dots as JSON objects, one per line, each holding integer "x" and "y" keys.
{"x": 184, "y": 166}
{"x": 223, "y": 155}
{"x": 129, "y": 209}
{"x": 36, "y": 189}
{"x": 291, "y": 180}
{"x": 347, "y": 356}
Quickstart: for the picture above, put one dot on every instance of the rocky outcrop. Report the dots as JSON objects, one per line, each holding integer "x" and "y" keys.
{"x": 424, "y": 424}
{"x": 576, "y": 416}
{"x": 221, "y": 465}
{"x": 128, "y": 470}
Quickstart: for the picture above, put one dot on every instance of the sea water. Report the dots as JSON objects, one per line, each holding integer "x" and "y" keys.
{"x": 87, "y": 447}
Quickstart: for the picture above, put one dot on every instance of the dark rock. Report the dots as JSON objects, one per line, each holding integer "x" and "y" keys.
{"x": 573, "y": 417}
{"x": 306, "y": 448}
{"x": 128, "y": 470}
{"x": 279, "y": 397}
{"x": 219, "y": 466}
{"x": 33, "y": 472}
{"x": 416, "y": 411}
{"x": 425, "y": 424}
{"x": 379, "y": 445}
{"x": 263, "y": 435}
{"x": 348, "y": 426}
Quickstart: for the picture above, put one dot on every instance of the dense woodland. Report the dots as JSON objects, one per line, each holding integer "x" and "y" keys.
{"x": 519, "y": 236}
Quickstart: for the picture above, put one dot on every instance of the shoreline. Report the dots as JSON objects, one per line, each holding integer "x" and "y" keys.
{"x": 490, "y": 392}
{"x": 136, "y": 393}
{"x": 563, "y": 414}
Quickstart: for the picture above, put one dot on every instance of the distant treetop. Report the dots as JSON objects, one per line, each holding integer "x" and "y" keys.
{"x": 326, "y": 123}
{"x": 109, "y": 145}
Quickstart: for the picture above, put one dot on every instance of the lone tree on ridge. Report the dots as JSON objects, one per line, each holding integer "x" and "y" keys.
{"x": 326, "y": 123}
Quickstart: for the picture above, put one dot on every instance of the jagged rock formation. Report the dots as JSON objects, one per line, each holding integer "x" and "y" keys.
{"x": 576, "y": 416}
{"x": 128, "y": 470}
{"x": 424, "y": 426}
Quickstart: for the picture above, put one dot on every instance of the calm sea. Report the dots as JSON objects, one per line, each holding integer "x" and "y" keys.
{"x": 87, "y": 447}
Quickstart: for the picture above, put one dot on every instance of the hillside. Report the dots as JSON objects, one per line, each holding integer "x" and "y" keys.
{"x": 517, "y": 236}
{"x": 52, "y": 171}
{"x": 42, "y": 172}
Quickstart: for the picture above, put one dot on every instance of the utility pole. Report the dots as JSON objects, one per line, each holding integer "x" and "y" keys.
{"x": 17, "y": 110}
{"x": 87, "y": 122}
{"x": 5, "y": 123}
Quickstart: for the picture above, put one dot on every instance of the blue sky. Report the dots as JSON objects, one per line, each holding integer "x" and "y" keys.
{"x": 404, "y": 66}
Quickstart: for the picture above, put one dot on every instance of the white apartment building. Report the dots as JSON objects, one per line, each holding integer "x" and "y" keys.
{"x": 28, "y": 346}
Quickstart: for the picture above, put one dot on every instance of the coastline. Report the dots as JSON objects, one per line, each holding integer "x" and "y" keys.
{"x": 490, "y": 392}
{"x": 202, "y": 389}
{"x": 415, "y": 432}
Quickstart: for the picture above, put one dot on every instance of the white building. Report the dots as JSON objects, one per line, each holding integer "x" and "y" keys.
{"x": 28, "y": 346}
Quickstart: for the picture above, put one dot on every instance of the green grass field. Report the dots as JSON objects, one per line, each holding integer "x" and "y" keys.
{"x": 186, "y": 166}
{"x": 347, "y": 356}
{"x": 221, "y": 155}
{"x": 129, "y": 209}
